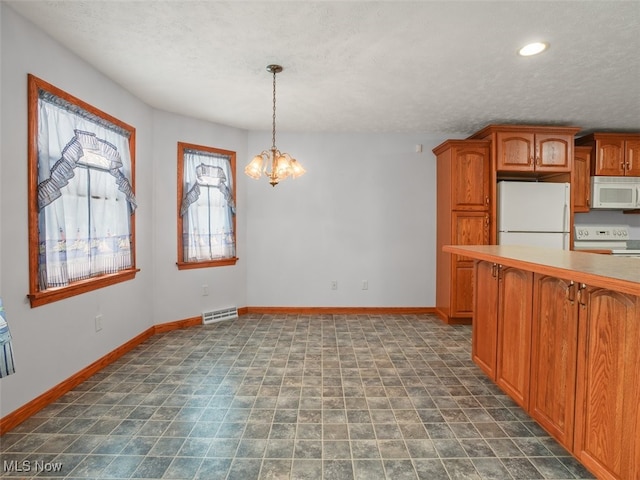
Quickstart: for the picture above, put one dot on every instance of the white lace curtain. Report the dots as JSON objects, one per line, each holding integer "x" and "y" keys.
{"x": 207, "y": 208}
{"x": 85, "y": 199}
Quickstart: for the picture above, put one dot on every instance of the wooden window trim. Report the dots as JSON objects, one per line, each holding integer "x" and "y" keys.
{"x": 36, "y": 296}
{"x": 181, "y": 264}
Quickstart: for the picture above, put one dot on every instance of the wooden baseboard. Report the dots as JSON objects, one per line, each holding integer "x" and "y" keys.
{"x": 167, "y": 327}
{"x": 449, "y": 320}
{"x": 342, "y": 310}
{"x": 19, "y": 415}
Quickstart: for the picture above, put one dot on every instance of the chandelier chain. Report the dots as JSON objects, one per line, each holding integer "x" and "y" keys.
{"x": 273, "y": 130}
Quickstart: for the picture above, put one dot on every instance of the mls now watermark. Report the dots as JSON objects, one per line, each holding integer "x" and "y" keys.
{"x": 30, "y": 466}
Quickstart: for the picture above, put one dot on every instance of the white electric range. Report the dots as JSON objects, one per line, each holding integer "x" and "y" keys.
{"x": 606, "y": 237}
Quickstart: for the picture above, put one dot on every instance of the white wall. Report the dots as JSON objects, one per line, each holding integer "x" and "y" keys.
{"x": 178, "y": 293}
{"x": 365, "y": 210}
{"x": 54, "y": 341}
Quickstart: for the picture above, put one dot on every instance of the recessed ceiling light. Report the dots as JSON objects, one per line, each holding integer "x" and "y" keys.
{"x": 533, "y": 49}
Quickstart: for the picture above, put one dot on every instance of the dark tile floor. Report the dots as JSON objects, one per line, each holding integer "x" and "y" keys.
{"x": 301, "y": 397}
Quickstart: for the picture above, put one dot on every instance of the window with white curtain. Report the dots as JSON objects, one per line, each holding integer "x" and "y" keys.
{"x": 82, "y": 201}
{"x": 206, "y": 210}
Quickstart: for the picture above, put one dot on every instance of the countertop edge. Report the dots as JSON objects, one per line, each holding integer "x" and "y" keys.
{"x": 515, "y": 256}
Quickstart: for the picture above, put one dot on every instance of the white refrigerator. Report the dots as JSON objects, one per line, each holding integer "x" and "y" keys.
{"x": 534, "y": 214}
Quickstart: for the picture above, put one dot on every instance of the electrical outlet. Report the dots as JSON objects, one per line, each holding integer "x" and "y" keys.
{"x": 205, "y": 290}
{"x": 334, "y": 284}
{"x": 365, "y": 284}
{"x": 98, "y": 322}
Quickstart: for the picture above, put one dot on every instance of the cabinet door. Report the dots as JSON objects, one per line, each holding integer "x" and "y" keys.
{"x": 515, "y": 151}
{"x": 610, "y": 156}
{"x": 462, "y": 293}
{"x": 485, "y": 318}
{"x": 554, "y": 343}
{"x": 471, "y": 177}
{"x": 553, "y": 152}
{"x": 632, "y": 158}
{"x": 581, "y": 179}
{"x": 514, "y": 333}
{"x": 469, "y": 228}
{"x": 608, "y": 388}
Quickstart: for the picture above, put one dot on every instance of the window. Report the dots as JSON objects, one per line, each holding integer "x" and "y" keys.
{"x": 206, "y": 206}
{"x": 81, "y": 196}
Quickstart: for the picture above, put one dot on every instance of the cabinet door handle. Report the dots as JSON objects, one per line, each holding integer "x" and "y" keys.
{"x": 581, "y": 299}
{"x": 486, "y": 220}
{"x": 486, "y": 200}
{"x": 494, "y": 270}
{"x": 571, "y": 292}
{"x": 628, "y": 165}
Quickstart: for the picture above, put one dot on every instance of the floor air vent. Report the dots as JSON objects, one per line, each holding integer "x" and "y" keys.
{"x": 219, "y": 315}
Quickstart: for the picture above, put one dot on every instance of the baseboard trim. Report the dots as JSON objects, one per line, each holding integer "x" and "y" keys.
{"x": 19, "y": 415}
{"x": 342, "y": 310}
{"x": 449, "y": 320}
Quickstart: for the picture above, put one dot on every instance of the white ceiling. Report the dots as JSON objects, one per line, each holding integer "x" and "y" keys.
{"x": 363, "y": 66}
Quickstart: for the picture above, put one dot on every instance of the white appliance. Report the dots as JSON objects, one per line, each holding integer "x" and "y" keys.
{"x": 534, "y": 214}
{"x": 606, "y": 237}
{"x": 615, "y": 192}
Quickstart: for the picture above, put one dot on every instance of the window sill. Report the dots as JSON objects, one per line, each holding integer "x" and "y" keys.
{"x": 76, "y": 288}
{"x": 210, "y": 263}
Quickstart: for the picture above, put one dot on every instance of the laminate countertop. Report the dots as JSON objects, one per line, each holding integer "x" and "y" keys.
{"x": 620, "y": 274}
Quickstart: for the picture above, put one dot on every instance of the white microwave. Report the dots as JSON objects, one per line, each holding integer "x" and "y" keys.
{"x": 615, "y": 192}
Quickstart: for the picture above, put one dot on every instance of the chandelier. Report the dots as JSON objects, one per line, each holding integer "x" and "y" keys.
{"x": 282, "y": 164}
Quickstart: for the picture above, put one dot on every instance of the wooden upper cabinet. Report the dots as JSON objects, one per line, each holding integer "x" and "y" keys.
{"x": 553, "y": 152}
{"x": 530, "y": 149}
{"x": 464, "y": 174}
{"x": 471, "y": 177}
{"x": 613, "y": 154}
{"x": 515, "y": 151}
{"x": 632, "y": 153}
{"x": 581, "y": 179}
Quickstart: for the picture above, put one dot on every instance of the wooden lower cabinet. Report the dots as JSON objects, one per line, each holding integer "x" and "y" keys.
{"x": 515, "y": 292}
{"x": 607, "y": 437}
{"x": 485, "y": 319}
{"x": 462, "y": 297}
{"x": 569, "y": 354}
{"x": 501, "y": 339}
{"x": 554, "y": 343}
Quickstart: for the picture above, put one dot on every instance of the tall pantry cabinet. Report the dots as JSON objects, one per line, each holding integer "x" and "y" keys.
{"x": 463, "y": 218}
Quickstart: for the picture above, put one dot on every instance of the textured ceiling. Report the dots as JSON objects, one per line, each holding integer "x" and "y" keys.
{"x": 360, "y": 66}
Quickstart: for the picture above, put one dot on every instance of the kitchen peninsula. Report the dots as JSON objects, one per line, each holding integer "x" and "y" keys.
{"x": 559, "y": 331}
